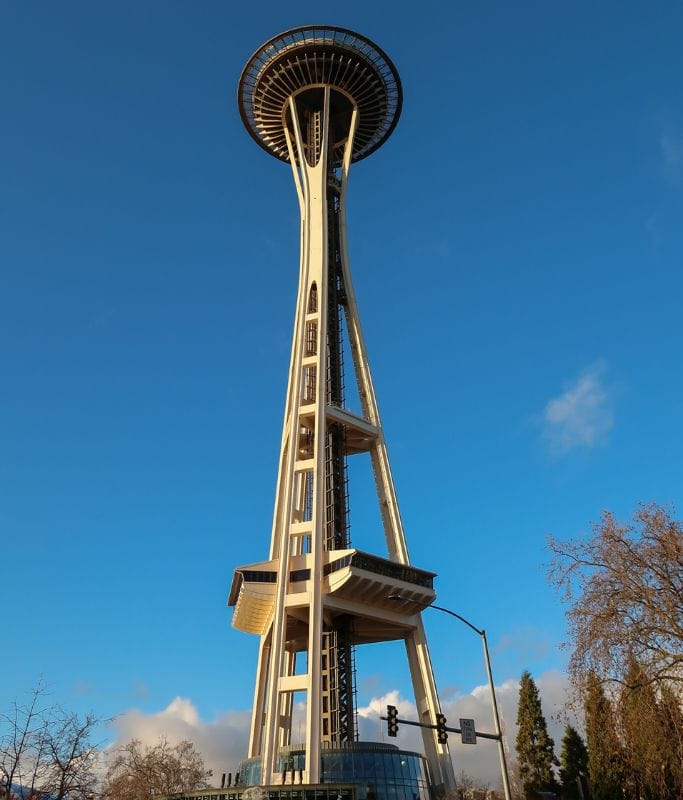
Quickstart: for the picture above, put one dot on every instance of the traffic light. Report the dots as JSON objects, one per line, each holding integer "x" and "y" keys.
{"x": 392, "y": 720}
{"x": 441, "y": 734}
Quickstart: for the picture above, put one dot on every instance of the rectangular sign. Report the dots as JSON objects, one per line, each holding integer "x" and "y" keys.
{"x": 467, "y": 731}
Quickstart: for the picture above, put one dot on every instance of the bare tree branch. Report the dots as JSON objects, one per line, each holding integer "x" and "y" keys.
{"x": 624, "y": 587}
{"x": 45, "y": 750}
{"x": 140, "y": 772}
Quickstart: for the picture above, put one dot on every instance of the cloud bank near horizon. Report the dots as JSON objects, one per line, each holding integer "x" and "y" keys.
{"x": 223, "y": 741}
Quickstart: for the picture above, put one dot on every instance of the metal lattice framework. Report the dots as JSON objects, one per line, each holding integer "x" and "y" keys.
{"x": 320, "y": 56}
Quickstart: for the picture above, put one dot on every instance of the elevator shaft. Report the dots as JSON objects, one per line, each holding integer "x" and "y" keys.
{"x": 338, "y": 713}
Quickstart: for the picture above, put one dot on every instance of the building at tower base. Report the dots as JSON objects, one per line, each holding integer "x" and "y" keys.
{"x": 357, "y": 771}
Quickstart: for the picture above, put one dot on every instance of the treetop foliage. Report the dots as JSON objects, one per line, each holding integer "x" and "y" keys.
{"x": 635, "y": 739}
{"x": 605, "y": 756}
{"x": 624, "y": 586}
{"x": 573, "y": 764}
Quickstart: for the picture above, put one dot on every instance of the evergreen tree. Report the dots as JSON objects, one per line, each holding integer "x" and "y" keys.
{"x": 671, "y": 716}
{"x": 648, "y": 729}
{"x": 535, "y": 756}
{"x": 573, "y": 764}
{"x": 605, "y": 757}
{"x": 639, "y": 718}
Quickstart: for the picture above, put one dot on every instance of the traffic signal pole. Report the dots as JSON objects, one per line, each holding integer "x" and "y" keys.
{"x": 497, "y": 736}
{"x": 496, "y": 720}
{"x": 437, "y": 726}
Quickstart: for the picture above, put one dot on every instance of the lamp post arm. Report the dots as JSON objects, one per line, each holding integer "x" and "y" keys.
{"x": 457, "y": 616}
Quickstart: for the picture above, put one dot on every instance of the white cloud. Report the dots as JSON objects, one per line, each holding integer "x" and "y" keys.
{"x": 378, "y": 705}
{"x": 581, "y": 416}
{"x": 223, "y": 741}
{"x": 480, "y": 760}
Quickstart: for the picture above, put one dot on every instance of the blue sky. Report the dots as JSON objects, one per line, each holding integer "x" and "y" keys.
{"x": 516, "y": 248}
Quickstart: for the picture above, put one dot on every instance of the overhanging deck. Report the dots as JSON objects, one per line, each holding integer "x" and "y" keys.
{"x": 382, "y": 596}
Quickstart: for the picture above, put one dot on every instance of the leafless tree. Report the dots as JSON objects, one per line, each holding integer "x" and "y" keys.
{"x": 46, "y": 750}
{"x": 624, "y": 586}
{"x": 71, "y": 756}
{"x": 464, "y": 785}
{"x": 139, "y": 772}
{"x": 22, "y": 731}
{"x": 468, "y": 788}
{"x": 37, "y": 760}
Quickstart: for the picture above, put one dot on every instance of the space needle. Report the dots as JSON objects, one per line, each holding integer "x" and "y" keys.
{"x": 322, "y": 98}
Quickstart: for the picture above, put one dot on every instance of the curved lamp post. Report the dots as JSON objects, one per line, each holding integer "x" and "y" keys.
{"x": 494, "y": 703}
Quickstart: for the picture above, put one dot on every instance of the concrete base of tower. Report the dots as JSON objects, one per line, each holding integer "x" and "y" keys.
{"x": 376, "y": 771}
{"x": 313, "y": 791}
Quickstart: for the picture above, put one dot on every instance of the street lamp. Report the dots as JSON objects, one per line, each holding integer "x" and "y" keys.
{"x": 494, "y": 704}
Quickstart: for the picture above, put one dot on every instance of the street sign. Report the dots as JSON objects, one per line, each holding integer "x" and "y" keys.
{"x": 467, "y": 731}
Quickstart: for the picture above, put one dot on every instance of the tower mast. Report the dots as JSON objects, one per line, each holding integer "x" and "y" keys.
{"x": 321, "y": 98}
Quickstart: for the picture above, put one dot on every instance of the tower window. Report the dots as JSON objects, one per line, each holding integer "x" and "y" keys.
{"x": 311, "y": 338}
{"x": 313, "y": 299}
{"x": 308, "y": 387}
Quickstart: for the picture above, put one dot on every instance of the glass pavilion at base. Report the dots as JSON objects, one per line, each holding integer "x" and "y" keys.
{"x": 377, "y": 771}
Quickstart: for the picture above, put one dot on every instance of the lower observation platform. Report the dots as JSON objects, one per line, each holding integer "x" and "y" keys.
{"x": 381, "y": 595}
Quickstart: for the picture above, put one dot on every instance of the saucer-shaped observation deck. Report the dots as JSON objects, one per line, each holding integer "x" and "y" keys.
{"x": 312, "y": 57}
